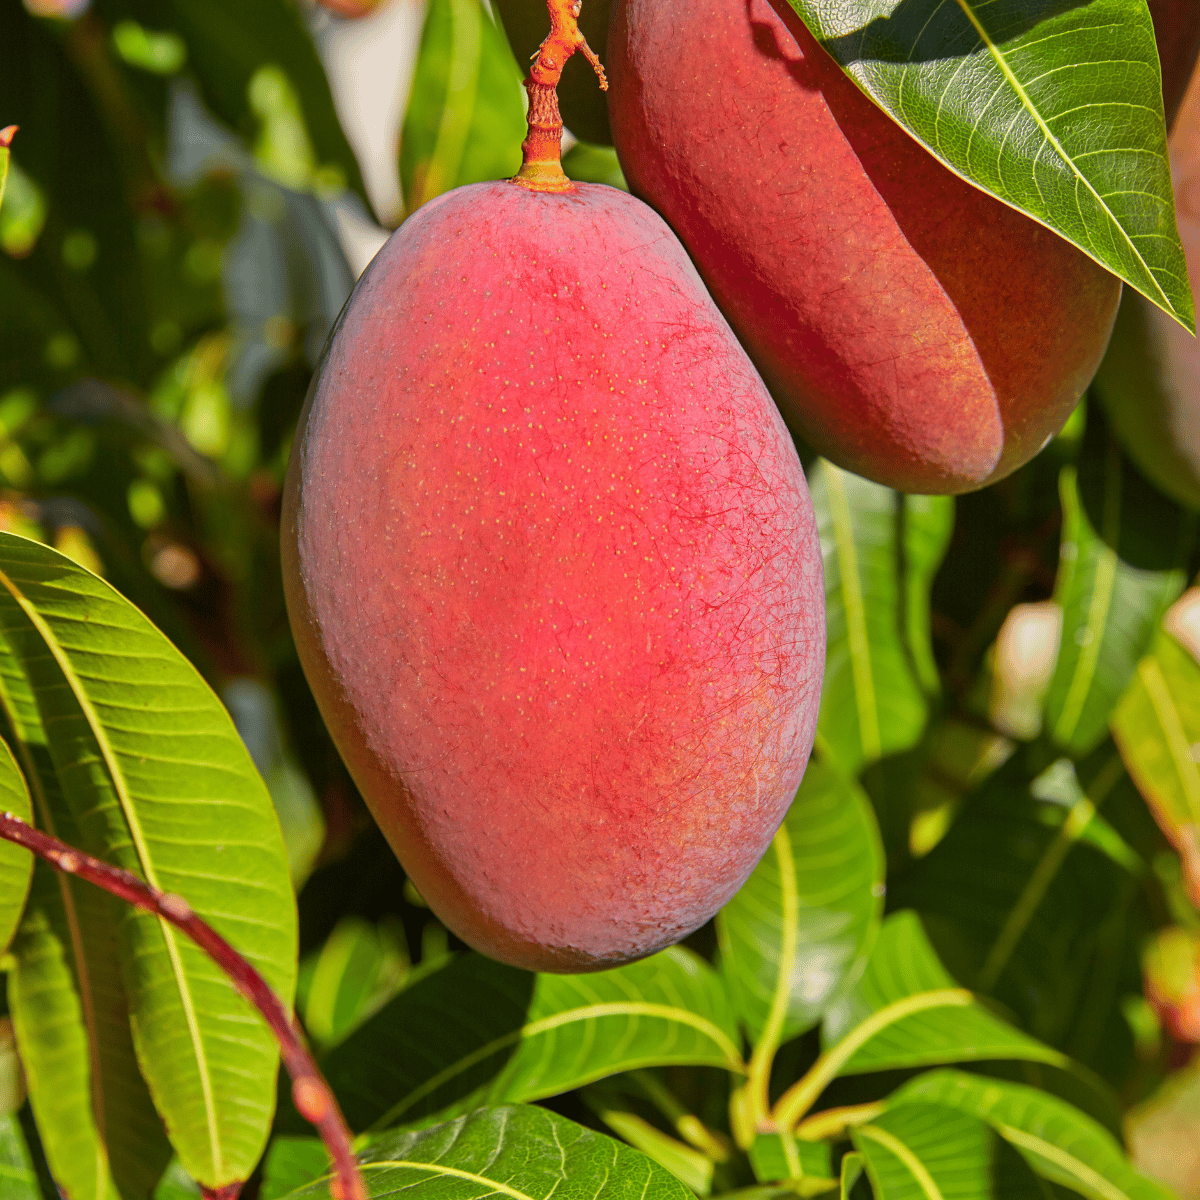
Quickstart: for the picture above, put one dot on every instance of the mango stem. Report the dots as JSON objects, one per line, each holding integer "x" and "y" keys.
{"x": 541, "y": 151}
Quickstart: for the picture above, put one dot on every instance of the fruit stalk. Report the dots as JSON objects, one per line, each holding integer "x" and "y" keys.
{"x": 541, "y": 151}
{"x": 313, "y": 1099}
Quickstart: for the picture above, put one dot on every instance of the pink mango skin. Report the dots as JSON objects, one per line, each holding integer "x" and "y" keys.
{"x": 554, "y": 575}
{"x": 1149, "y": 382}
{"x": 912, "y": 329}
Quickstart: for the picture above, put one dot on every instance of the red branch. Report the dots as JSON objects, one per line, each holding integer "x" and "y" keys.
{"x": 313, "y": 1099}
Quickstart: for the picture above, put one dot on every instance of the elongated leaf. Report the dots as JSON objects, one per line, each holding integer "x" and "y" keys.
{"x": 1055, "y": 109}
{"x": 70, "y": 1011}
{"x": 927, "y": 1152}
{"x": 18, "y": 1180}
{"x": 159, "y": 781}
{"x": 1026, "y": 907}
{"x": 16, "y": 865}
{"x": 517, "y": 1152}
{"x": 465, "y": 121}
{"x": 478, "y": 1032}
{"x": 1059, "y": 1142}
{"x": 880, "y": 551}
{"x": 801, "y": 927}
{"x": 852, "y": 1169}
{"x": 1124, "y": 551}
{"x": 1157, "y": 727}
{"x": 907, "y": 1011}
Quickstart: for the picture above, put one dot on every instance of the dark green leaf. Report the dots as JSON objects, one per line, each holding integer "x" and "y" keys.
{"x": 16, "y": 865}
{"x": 800, "y": 929}
{"x": 1059, "y": 1142}
{"x": 290, "y": 1163}
{"x": 1124, "y": 551}
{"x": 158, "y": 781}
{"x": 516, "y": 1152}
{"x": 465, "y": 121}
{"x": 1056, "y": 109}
{"x": 880, "y": 552}
{"x": 478, "y": 1032}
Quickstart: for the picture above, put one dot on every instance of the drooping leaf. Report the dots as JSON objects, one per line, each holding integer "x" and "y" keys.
{"x": 802, "y": 925}
{"x": 518, "y": 1152}
{"x": 158, "y": 781}
{"x": 1059, "y": 1142}
{"x": 1157, "y": 726}
{"x": 465, "y": 120}
{"x": 478, "y": 1032}
{"x": 16, "y": 864}
{"x": 776, "y": 1156}
{"x": 1056, "y": 109}
{"x": 1026, "y": 906}
{"x": 880, "y": 552}
{"x": 1124, "y": 551}
{"x": 852, "y": 1169}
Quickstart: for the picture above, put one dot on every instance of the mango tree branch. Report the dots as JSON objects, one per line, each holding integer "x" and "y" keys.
{"x": 314, "y": 1101}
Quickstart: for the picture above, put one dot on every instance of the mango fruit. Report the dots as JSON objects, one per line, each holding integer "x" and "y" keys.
{"x": 912, "y": 328}
{"x": 554, "y": 576}
{"x": 1149, "y": 381}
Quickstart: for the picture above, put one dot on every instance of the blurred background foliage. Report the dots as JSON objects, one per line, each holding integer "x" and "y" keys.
{"x": 195, "y": 186}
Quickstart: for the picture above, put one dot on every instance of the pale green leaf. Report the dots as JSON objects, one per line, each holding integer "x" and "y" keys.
{"x": 1056, "y": 109}
{"x": 776, "y": 1156}
{"x": 160, "y": 783}
{"x": 18, "y": 1180}
{"x": 800, "y": 929}
{"x": 514, "y": 1152}
{"x": 478, "y": 1032}
{"x": 852, "y": 1169}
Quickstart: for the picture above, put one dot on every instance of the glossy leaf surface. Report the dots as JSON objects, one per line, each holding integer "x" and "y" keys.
{"x": 158, "y": 781}
{"x": 478, "y": 1032}
{"x": 1056, "y": 109}
{"x": 516, "y": 1152}
{"x": 802, "y": 925}
{"x": 1124, "y": 550}
{"x": 880, "y": 551}
{"x": 1059, "y": 1142}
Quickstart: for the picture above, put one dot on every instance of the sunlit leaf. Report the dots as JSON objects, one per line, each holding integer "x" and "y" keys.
{"x": 18, "y": 1180}
{"x": 16, "y": 864}
{"x": 1059, "y": 1142}
{"x": 775, "y": 1156}
{"x": 516, "y": 1152}
{"x": 1124, "y": 550}
{"x": 801, "y": 927}
{"x": 465, "y": 120}
{"x": 880, "y": 552}
{"x": 159, "y": 781}
{"x": 1157, "y": 727}
{"x": 478, "y": 1032}
{"x": 1056, "y": 109}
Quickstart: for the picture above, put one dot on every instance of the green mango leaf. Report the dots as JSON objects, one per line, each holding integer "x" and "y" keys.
{"x": 465, "y": 121}
{"x": 1025, "y": 905}
{"x": 16, "y": 864}
{"x": 880, "y": 552}
{"x": 776, "y": 1156}
{"x": 1055, "y": 109}
{"x": 290, "y": 1163}
{"x": 852, "y": 1169}
{"x": 800, "y": 929}
{"x": 1157, "y": 727}
{"x": 158, "y": 781}
{"x": 18, "y": 1180}
{"x": 1124, "y": 554}
{"x": 1059, "y": 1142}
{"x": 478, "y": 1032}
{"x": 517, "y": 1152}
{"x": 927, "y": 1152}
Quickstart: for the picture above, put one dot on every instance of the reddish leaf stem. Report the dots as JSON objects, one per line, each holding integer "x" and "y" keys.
{"x": 313, "y": 1099}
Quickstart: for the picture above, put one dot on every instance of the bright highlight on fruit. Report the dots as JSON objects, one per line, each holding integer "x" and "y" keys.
{"x": 552, "y": 567}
